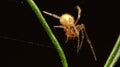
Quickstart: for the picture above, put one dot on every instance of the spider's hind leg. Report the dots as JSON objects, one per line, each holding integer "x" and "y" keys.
{"x": 89, "y": 41}
{"x": 82, "y": 38}
{"x": 66, "y": 40}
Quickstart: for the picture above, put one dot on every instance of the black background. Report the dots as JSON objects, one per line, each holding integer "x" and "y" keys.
{"x": 101, "y": 19}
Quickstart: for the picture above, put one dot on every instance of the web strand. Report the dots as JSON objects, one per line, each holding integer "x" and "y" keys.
{"x": 22, "y": 41}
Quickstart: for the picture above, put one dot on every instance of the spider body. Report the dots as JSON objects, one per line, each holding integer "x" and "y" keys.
{"x": 67, "y": 20}
{"x": 72, "y": 29}
{"x": 70, "y": 32}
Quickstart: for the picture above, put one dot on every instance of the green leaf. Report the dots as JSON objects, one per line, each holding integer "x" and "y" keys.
{"x": 114, "y": 55}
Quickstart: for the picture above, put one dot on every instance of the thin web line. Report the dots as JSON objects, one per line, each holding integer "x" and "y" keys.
{"x": 41, "y": 45}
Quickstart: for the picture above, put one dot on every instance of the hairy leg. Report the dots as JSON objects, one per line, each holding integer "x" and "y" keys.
{"x": 89, "y": 42}
{"x": 81, "y": 42}
{"x": 59, "y": 26}
{"x": 53, "y": 15}
{"x": 79, "y": 11}
{"x": 78, "y": 44}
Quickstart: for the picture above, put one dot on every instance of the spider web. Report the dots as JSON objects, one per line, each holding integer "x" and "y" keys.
{"x": 27, "y": 42}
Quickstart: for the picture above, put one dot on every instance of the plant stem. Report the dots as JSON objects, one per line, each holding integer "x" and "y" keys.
{"x": 114, "y": 55}
{"x": 49, "y": 32}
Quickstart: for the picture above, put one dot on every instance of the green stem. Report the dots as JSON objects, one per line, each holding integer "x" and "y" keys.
{"x": 115, "y": 55}
{"x": 49, "y": 32}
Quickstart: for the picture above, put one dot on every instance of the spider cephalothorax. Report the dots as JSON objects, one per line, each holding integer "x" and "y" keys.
{"x": 72, "y": 29}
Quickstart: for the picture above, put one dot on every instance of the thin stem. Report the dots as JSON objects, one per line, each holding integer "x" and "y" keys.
{"x": 114, "y": 55}
{"x": 49, "y": 32}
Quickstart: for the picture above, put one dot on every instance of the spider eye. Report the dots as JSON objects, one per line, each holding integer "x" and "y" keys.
{"x": 66, "y": 19}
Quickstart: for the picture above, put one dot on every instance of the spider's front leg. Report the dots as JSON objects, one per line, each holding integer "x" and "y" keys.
{"x": 53, "y": 15}
{"x": 79, "y": 12}
{"x": 59, "y": 26}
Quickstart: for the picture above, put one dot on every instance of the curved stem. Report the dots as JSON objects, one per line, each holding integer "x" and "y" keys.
{"x": 49, "y": 32}
{"x": 114, "y": 55}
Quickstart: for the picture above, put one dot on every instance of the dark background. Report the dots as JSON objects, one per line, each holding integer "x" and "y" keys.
{"x": 101, "y": 19}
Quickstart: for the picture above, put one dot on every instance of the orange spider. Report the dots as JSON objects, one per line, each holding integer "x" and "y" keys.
{"x": 72, "y": 29}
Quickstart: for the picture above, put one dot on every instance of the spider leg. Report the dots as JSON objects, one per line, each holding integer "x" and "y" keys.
{"x": 59, "y": 26}
{"x": 80, "y": 43}
{"x": 89, "y": 42}
{"x": 53, "y": 15}
{"x": 66, "y": 40}
{"x": 79, "y": 11}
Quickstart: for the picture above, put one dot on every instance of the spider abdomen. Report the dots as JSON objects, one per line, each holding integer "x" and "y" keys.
{"x": 70, "y": 33}
{"x": 67, "y": 19}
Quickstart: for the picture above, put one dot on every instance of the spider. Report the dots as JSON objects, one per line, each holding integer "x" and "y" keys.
{"x": 72, "y": 29}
